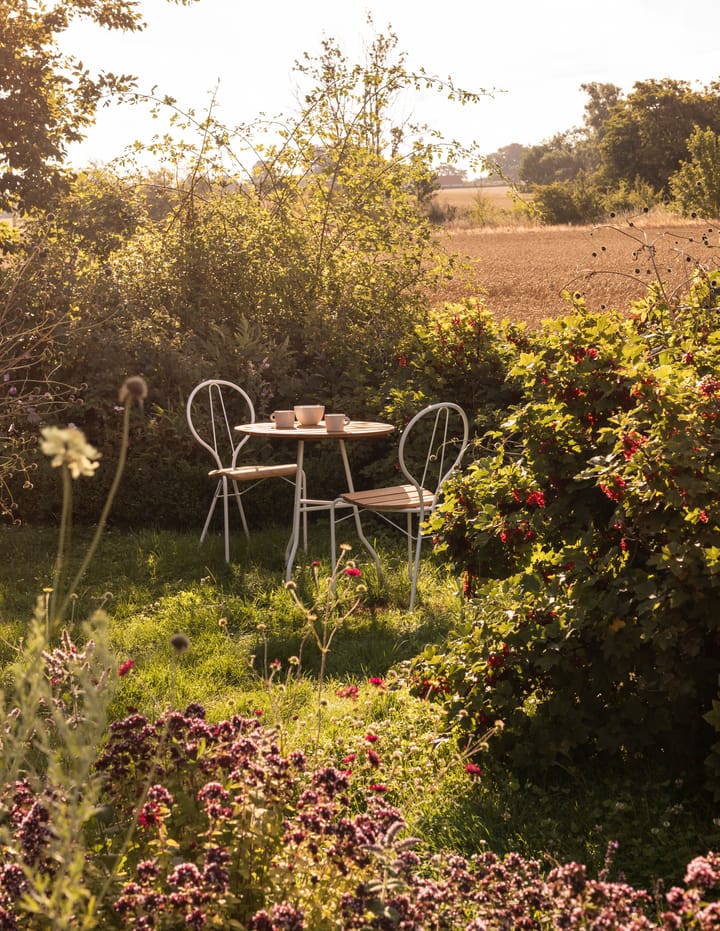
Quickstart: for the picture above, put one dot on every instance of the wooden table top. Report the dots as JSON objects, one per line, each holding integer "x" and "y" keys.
{"x": 355, "y": 430}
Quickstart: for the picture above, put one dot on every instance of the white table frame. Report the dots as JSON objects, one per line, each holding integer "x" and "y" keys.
{"x": 355, "y": 430}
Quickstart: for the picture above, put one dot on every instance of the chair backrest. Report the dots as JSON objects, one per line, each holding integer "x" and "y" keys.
{"x": 432, "y": 445}
{"x": 213, "y": 409}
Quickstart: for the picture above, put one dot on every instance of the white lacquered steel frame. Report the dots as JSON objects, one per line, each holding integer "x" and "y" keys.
{"x": 354, "y": 431}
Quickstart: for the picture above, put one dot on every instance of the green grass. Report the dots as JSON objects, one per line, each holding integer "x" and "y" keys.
{"x": 239, "y": 618}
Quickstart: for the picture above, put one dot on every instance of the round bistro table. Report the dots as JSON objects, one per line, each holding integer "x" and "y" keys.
{"x": 354, "y": 431}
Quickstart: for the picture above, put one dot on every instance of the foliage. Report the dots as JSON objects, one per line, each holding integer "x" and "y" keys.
{"x": 218, "y": 828}
{"x": 31, "y": 390}
{"x": 555, "y": 161}
{"x": 458, "y": 353}
{"x": 696, "y": 184}
{"x": 575, "y": 201}
{"x": 667, "y": 110}
{"x": 589, "y": 539}
{"x": 48, "y": 98}
{"x": 291, "y": 261}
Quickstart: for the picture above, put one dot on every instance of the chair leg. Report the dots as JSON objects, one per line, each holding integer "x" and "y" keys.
{"x": 226, "y": 515}
{"x": 333, "y": 543}
{"x": 416, "y": 570}
{"x": 411, "y": 551}
{"x": 216, "y": 495}
{"x": 241, "y": 509}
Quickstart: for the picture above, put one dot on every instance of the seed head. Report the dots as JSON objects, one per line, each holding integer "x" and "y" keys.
{"x": 133, "y": 388}
{"x": 179, "y": 642}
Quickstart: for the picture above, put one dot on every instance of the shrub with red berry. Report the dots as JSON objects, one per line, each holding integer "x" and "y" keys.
{"x": 590, "y": 542}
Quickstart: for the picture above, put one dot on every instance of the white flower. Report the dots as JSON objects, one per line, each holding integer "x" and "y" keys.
{"x": 68, "y": 447}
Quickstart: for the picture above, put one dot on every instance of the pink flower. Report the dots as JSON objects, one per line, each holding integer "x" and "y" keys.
{"x": 373, "y": 758}
{"x": 377, "y": 682}
{"x": 125, "y": 667}
{"x": 473, "y": 769}
{"x": 703, "y": 517}
{"x": 353, "y": 571}
{"x": 377, "y": 787}
{"x": 348, "y": 691}
{"x": 371, "y": 738}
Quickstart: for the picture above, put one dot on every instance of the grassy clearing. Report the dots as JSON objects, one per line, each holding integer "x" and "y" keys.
{"x": 240, "y": 618}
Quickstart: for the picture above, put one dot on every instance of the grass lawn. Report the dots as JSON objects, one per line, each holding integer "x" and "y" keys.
{"x": 252, "y": 650}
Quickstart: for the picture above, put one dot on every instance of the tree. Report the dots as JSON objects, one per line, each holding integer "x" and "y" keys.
{"x": 557, "y": 159}
{"x": 47, "y": 98}
{"x": 508, "y": 160}
{"x": 645, "y": 135}
{"x": 696, "y": 184}
{"x": 601, "y": 100}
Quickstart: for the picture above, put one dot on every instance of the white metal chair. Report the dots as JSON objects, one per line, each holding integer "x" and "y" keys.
{"x": 431, "y": 448}
{"x": 213, "y": 409}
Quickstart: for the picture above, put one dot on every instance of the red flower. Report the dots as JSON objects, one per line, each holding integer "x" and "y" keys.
{"x": 703, "y": 517}
{"x": 473, "y": 769}
{"x": 377, "y": 787}
{"x": 373, "y": 758}
{"x": 371, "y": 738}
{"x": 353, "y": 571}
{"x": 377, "y": 682}
{"x": 125, "y": 667}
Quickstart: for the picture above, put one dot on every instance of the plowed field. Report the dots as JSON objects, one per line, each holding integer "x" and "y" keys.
{"x": 523, "y": 272}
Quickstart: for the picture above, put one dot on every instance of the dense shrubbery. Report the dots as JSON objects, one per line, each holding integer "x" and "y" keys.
{"x": 292, "y": 262}
{"x": 589, "y": 542}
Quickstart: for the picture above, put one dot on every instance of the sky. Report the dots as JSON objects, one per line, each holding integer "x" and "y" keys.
{"x": 530, "y": 56}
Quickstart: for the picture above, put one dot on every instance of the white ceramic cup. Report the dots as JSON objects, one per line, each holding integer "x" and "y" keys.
{"x": 309, "y": 415}
{"x": 283, "y": 420}
{"x": 336, "y": 423}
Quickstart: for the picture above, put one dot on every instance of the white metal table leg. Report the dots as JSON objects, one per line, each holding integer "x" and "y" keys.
{"x": 356, "y": 512}
{"x": 294, "y": 541}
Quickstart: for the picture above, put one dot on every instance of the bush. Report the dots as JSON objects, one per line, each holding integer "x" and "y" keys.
{"x": 568, "y": 202}
{"x": 459, "y": 353}
{"x": 588, "y": 539}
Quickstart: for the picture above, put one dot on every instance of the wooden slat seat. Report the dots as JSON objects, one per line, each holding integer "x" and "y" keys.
{"x": 395, "y": 498}
{"x": 256, "y": 473}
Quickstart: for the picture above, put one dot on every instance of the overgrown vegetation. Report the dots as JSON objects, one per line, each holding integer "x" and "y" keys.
{"x": 212, "y": 748}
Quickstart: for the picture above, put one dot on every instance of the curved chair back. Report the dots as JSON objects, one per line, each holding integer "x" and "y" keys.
{"x": 431, "y": 448}
{"x": 213, "y": 408}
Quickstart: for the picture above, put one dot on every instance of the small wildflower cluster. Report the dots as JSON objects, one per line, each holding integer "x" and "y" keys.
{"x": 68, "y": 447}
{"x": 67, "y": 668}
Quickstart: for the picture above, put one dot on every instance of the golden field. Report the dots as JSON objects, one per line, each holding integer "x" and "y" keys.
{"x": 522, "y": 271}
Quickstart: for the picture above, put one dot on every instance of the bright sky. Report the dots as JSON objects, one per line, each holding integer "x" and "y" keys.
{"x": 537, "y": 54}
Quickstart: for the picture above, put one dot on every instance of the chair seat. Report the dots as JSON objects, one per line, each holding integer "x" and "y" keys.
{"x": 252, "y": 472}
{"x": 394, "y": 498}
